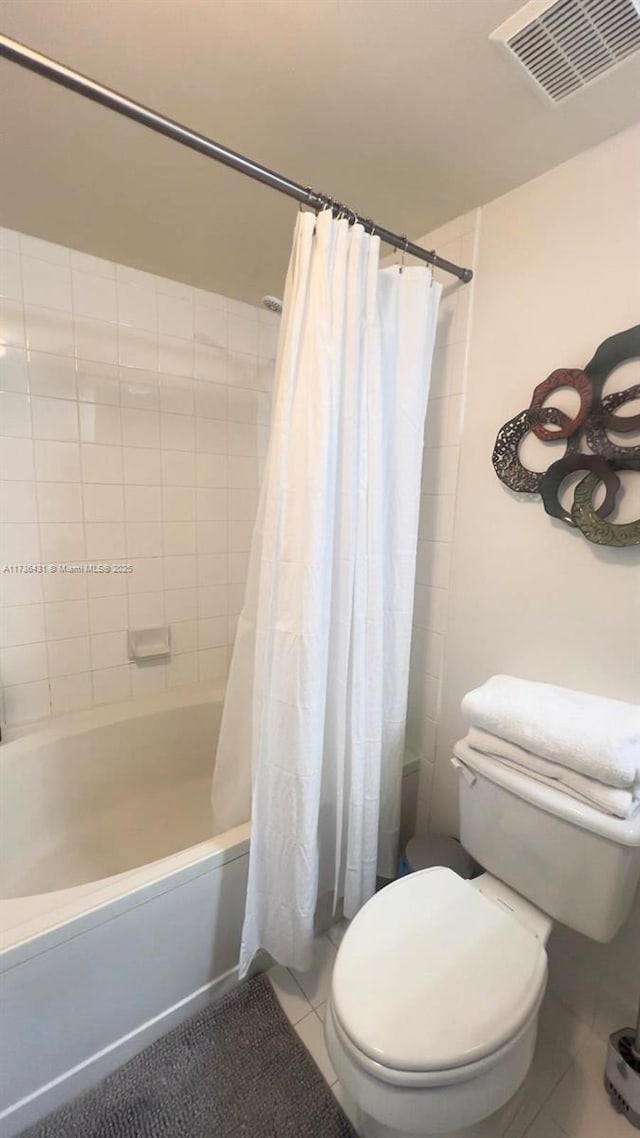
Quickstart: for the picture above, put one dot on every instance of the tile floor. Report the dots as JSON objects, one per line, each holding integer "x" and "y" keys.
{"x": 562, "y": 1097}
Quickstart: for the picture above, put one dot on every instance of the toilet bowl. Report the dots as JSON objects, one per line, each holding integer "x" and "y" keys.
{"x": 431, "y": 1024}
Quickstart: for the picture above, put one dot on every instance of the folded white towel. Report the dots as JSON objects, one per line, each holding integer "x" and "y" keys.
{"x": 596, "y": 737}
{"x": 608, "y": 799}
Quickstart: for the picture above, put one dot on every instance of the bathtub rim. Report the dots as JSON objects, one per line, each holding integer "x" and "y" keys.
{"x": 75, "y": 910}
{"x": 39, "y": 921}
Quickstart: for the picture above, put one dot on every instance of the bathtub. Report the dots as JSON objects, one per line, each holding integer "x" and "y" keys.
{"x": 121, "y": 913}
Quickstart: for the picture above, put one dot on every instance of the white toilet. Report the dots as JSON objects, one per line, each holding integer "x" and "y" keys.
{"x": 431, "y": 1024}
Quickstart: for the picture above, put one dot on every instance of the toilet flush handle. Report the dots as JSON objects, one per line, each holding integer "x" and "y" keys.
{"x": 468, "y": 775}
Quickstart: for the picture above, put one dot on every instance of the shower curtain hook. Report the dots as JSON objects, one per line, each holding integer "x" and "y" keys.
{"x": 434, "y": 265}
{"x": 404, "y": 252}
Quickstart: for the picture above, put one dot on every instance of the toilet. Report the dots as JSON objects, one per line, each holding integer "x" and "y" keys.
{"x": 431, "y": 1023}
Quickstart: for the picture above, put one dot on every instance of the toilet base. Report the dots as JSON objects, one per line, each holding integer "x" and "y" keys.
{"x": 367, "y": 1127}
{"x": 453, "y": 1110}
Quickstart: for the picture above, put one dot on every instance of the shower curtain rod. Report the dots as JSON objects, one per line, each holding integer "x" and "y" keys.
{"x": 74, "y": 81}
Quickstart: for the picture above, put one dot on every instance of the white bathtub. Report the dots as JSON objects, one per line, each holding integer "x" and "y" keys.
{"x": 120, "y": 913}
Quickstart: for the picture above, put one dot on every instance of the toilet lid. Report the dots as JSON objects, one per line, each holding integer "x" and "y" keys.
{"x": 433, "y": 975}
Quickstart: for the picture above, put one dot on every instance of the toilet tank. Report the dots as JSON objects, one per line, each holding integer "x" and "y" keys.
{"x": 578, "y": 865}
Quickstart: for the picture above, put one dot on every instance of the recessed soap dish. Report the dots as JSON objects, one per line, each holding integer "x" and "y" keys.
{"x": 148, "y": 643}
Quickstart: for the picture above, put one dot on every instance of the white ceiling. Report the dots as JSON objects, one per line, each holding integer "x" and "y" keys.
{"x": 401, "y": 108}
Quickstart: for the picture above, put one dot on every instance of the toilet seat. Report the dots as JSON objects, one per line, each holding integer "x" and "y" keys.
{"x": 432, "y": 978}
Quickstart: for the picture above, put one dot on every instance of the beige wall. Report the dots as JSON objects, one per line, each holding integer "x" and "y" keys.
{"x": 558, "y": 270}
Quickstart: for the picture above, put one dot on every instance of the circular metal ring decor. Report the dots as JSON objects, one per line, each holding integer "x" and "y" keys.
{"x": 563, "y": 377}
{"x": 602, "y": 420}
{"x": 612, "y": 352}
{"x": 597, "y": 529}
{"x": 558, "y": 471}
{"x": 596, "y": 416}
{"x": 506, "y": 459}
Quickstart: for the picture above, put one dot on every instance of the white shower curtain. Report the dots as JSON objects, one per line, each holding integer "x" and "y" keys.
{"x": 312, "y": 735}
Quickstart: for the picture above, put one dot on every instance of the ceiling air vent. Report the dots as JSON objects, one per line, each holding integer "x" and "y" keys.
{"x": 565, "y": 46}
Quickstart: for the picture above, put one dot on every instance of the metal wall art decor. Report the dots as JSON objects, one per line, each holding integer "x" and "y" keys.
{"x": 596, "y": 417}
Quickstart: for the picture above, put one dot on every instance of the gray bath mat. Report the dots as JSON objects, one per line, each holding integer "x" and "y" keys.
{"x": 235, "y": 1070}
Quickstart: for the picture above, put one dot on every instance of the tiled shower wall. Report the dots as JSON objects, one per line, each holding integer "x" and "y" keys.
{"x": 133, "y": 419}
{"x": 457, "y": 242}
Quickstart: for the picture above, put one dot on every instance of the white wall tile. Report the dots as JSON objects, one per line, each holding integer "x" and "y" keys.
{"x": 137, "y": 307}
{"x": 178, "y": 503}
{"x": 67, "y": 657}
{"x": 101, "y": 463}
{"x": 22, "y": 624}
{"x": 111, "y": 684}
{"x": 52, "y": 375}
{"x": 95, "y": 340}
{"x": 211, "y": 400}
{"x": 211, "y": 436}
{"x": 212, "y": 569}
{"x": 212, "y": 664}
{"x": 112, "y": 451}
{"x": 57, "y": 462}
{"x": 180, "y": 572}
{"x": 147, "y": 575}
{"x": 175, "y": 356}
{"x": 100, "y": 424}
{"x": 19, "y": 541}
{"x": 212, "y": 601}
{"x": 98, "y": 382}
{"x": 94, "y": 296}
{"x": 54, "y": 419}
{"x": 13, "y": 370}
{"x": 181, "y": 605}
{"x": 105, "y": 541}
{"x": 46, "y": 284}
{"x": 49, "y": 331}
{"x": 210, "y": 363}
{"x": 211, "y": 326}
{"x": 177, "y": 432}
{"x": 16, "y": 459}
{"x": 70, "y": 693}
{"x": 242, "y": 504}
{"x": 12, "y": 323}
{"x": 66, "y": 619}
{"x": 146, "y": 610}
{"x": 108, "y": 614}
{"x": 103, "y": 503}
{"x": 26, "y": 703}
{"x": 143, "y": 503}
{"x": 18, "y": 501}
{"x": 10, "y": 276}
{"x": 109, "y": 649}
{"x": 65, "y": 586}
{"x": 139, "y": 389}
{"x": 137, "y": 349}
{"x": 175, "y": 316}
{"x": 144, "y": 539}
{"x": 184, "y": 636}
{"x": 177, "y": 394}
{"x": 106, "y": 581}
{"x": 15, "y": 414}
{"x": 178, "y": 538}
{"x": 182, "y": 669}
{"x": 140, "y": 428}
{"x": 211, "y": 537}
{"x": 178, "y": 468}
{"x": 23, "y": 663}
{"x": 147, "y": 679}
{"x": 211, "y": 505}
{"x": 142, "y": 466}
